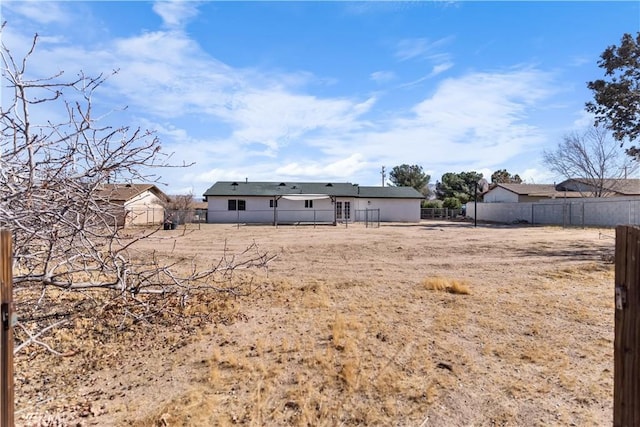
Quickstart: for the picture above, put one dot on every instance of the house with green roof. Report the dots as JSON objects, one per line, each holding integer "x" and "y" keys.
{"x": 309, "y": 202}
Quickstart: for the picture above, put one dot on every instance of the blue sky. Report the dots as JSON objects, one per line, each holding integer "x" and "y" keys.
{"x": 333, "y": 91}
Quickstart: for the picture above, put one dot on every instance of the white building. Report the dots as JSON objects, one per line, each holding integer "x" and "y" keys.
{"x": 134, "y": 204}
{"x": 522, "y": 193}
{"x": 309, "y": 202}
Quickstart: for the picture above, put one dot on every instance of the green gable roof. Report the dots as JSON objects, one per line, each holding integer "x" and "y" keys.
{"x": 239, "y": 188}
{"x": 339, "y": 189}
{"x": 390, "y": 192}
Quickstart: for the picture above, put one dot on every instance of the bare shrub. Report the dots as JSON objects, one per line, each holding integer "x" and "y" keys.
{"x": 66, "y": 231}
{"x": 453, "y": 286}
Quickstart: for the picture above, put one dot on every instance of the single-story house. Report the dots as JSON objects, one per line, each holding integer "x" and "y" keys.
{"x": 309, "y": 202}
{"x": 141, "y": 203}
{"x": 519, "y": 193}
{"x": 601, "y": 188}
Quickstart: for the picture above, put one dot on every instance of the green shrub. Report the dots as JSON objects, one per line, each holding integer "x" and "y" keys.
{"x": 432, "y": 203}
{"x": 451, "y": 203}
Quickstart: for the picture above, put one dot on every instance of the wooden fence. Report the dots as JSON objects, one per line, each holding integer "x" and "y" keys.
{"x": 626, "y": 374}
{"x": 6, "y": 331}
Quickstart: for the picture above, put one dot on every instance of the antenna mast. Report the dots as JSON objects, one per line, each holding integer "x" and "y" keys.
{"x": 384, "y": 175}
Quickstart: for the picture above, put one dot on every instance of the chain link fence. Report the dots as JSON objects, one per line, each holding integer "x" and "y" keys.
{"x": 441, "y": 213}
{"x": 169, "y": 218}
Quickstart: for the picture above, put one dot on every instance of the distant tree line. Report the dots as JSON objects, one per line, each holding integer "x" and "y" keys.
{"x": 454, "y": 188}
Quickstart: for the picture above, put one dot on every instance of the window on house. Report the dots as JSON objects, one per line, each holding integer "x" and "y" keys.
{"x": 237, "y": 205}
{"x": 273, "y": 203}
{"x": 308, "y": 204}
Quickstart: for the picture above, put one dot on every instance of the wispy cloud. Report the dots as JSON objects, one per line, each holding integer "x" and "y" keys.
{"x": 38, "y": 11}
{"x": 272, "y": 124}
{"x": 476, "y": 119}
{"x": 338, "y": 169}
{"x": 440, "y": 68}
{"x": 437, "y": 69}
{"x": 176, "y": 13}
{"x": 382, "y": 76}
{"x": 538, "y": 176}
{"x": 579, "y": 60}
{"x": 422, "y": 48}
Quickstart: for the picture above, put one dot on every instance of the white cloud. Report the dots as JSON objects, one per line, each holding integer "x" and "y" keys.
{"x": 440, "y": 68}
{"x": 486, "y": 173}
{"x": 268, "y": 125}
{"x": 538, "y": 176}
{"x": 340, "y": 169}
{"x": 177, "y": 13}
{"x": 469, "y": 122}
{"x": 580, "y": 60}
{"x": 42, "y": 12}
{"x": 422, "y": 48}
{"x": 382, "y": 76}
{"x": 275, "y": 117}
{"x": 437, "y": 69}
{"x": 583, "y": 121}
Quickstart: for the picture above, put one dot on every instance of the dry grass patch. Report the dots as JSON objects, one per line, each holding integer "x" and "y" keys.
{"x": 580, "y": 270}
{"x": 453, "y": 286}
{"x": 346, "y": 332}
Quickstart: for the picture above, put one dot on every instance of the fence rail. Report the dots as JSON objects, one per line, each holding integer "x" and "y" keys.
{"x": 370, "y": 217}
{"x": 440, "y": 213}
{"x": 276, "y": 216}
{"x": 155, "y": 216}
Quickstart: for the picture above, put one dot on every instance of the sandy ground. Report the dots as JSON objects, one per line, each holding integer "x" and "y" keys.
{"x": 342, "y": 330}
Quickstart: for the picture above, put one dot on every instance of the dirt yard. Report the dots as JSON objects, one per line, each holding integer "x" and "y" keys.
{"x": 430, "y": 324}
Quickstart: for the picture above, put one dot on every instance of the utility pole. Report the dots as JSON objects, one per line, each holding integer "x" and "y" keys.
{"x": 384, "y": 175}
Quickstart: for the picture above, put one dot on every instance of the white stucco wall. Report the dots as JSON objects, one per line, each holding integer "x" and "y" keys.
{"x": 605, "y": 211}
{"x": 393, "y": 210}
{"x": 258, "y": 210}
{"x": 500, "y": 195}
{"x": 146, "y": 208}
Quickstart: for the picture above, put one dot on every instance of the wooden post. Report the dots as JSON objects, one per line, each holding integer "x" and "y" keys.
{"x": 6, "y": 329}
{"x": 626, "y": 377}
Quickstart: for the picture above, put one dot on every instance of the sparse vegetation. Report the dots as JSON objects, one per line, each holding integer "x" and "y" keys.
{"x": 453, "y": 286}
{"x": 72, "y": 260}
{"x": 378, "y": 340}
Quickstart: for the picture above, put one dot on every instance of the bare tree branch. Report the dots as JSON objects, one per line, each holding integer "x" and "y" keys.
{"x": 592, "y": 156}
{"x": 66, "y": 230}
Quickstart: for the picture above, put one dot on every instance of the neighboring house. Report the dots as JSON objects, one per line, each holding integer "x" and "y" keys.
{"x": 309, "y": 202}
{"x": 519, "y": 193}
{"x": 601, "y": 188}
{"x": 140, "y": 204}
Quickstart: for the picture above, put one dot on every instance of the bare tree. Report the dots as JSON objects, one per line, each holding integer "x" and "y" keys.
{"x": 592, "y": 157}
{"x": 179, "y": 208}
{"x": 65, "y": 230}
